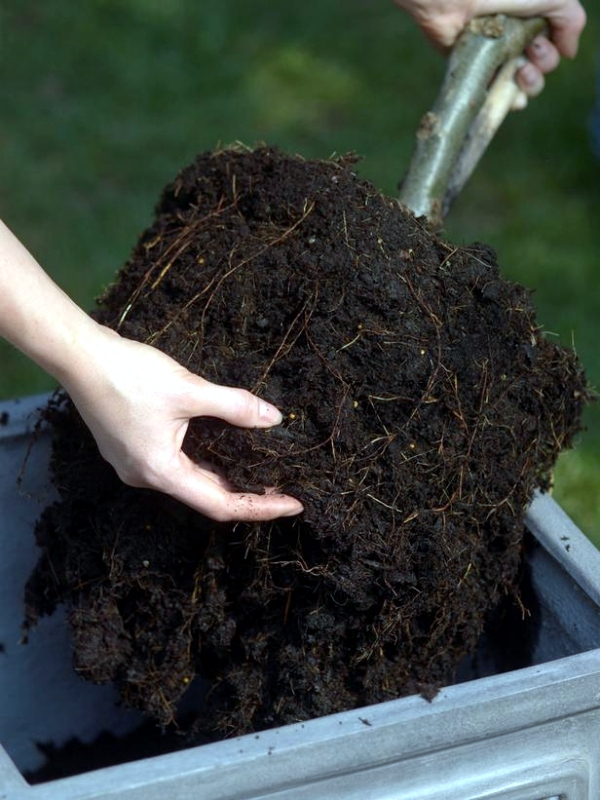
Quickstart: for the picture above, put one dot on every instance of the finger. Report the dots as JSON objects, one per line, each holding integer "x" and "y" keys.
{"x": 214, "y": 473}
{"x": 259, "y": 507}
{"x": 520, "y": 102}
{"x": 567, "y": 19}
{"x": 191, "y": 485}
{"x": 543, "y": 54}
{"x": 530, "y": 80}
{"x": 236, "y": 406}
{"x": 567, "y": 28}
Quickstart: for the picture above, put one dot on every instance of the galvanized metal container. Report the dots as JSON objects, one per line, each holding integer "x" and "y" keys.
{"x": 527, "y": 734}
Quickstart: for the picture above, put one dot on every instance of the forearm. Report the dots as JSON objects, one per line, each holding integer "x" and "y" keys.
{"x": 37, "y": 316}
{"x": 136, "y": 400}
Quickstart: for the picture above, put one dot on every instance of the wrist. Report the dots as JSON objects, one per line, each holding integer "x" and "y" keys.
{"x": 38, "y": 318}
{"x": 83, "y": 353}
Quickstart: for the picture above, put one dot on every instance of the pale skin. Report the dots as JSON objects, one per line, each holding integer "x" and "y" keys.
{"x": 137, "y": 401}
{"x": 443, "y": 20}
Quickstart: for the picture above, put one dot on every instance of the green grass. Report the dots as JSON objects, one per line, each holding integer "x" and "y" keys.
{"x": 102, "y": 105}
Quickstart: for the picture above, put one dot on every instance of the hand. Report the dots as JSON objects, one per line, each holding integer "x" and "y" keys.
{"x": 138, "y": 402}
{"x": 443, "y": 20}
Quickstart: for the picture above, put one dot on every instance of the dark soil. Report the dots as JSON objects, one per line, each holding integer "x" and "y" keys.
{"x": 423, "y": 407}
{"x": 508, "y": 642}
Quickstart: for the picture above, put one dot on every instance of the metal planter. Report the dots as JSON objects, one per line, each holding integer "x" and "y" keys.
{"x": 527, "y": 734}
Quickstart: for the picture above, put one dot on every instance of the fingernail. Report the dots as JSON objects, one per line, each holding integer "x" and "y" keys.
{"x": 531, "y": 80}
{"x": 269, "y": 413}
{"x": 538, "y": 45}
{"x": 528, "y": 75}
{"x": 294, "y": 511}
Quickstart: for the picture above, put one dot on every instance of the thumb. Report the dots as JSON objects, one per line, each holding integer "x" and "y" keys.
{"x": 235, "y": 406}
{"x": 196, "y": 487}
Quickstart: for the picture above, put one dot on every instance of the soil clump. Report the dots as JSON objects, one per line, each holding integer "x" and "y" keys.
{"x": 423, "y": 406}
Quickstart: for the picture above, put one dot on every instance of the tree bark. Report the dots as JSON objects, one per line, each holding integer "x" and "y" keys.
{"x": 475, "y": 97}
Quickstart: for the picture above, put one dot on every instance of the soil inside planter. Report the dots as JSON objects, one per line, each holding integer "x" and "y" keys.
{"x": 422, "y": 408}
{"x": 508, "y": 642}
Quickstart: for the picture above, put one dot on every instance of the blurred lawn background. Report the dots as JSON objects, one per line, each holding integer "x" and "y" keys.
{"x": 102, "y": 104}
